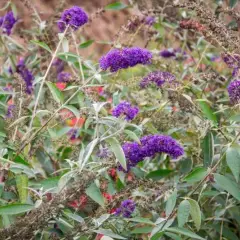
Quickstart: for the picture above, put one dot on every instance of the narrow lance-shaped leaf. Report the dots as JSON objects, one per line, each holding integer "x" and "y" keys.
{"x": 233, "y": 160}
{"x": 22, "y": 184}
{"x": 183, "y": 212}
{"x": 195, "y": 213}
{"x": 208, "y": 149}
{"x": 184, "y": 232}
{"x": 94, "y": 192}
{"x": 42, "y": 45}
{"x": 228, "y": 185}
{"x": 13, "y": 209}
{"x": 116, "y": 6}
{"x": 118, "y": 151}
{"x": 56, "y": 93}
{"x": 171, "y": 202}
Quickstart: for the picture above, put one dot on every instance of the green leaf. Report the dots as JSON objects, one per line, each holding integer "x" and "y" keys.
{"x": 13, "y": 209}
{"x": 118, "y": 151}
{"x": 42, "y": 45}
{"x": 95, "y": 194}
{"x": 86, "y": 44}
{"x": 195, "y": 213}
{"x": 183, "y": 212}
{"x": 109, "y": 233}
{"x": 208, "y": 149}
{"x": 207, "y": 111}
{"x": 184, "y": 232}
{"x": 171, "y": 202}
{"x": 158, "y": 174}
{"x": 22, "y": 184}
{"x": 56, "y": 93}
{"x": 232, "y": 3}
{"x": 116, "y": 6}
{"x": 173, "y": 236}
{"x": 75, "y": 217}
{"x": 142, "y": 230}
{"x": 228, "y": 185}
{"x": 196, "y": 175}
{"x": 132, "y": 135}
{"x": 233, "y": 160}
{"x": 141, "y": 220}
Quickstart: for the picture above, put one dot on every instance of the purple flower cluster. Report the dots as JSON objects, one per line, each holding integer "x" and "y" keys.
{"x": 175, "y": 53}
{"x": 59, "y": 64}
{"x": 7, "y": 22}
{"x": 150, "y": 20}
{"x": 63, "y": 77}
{"x": 125, "y": 109}
{"x": 26, "y": 75}
{"x": 233, "y": 61}
{"x": 75, "y": 17}
{"x": 126, "y": 209}
{"x": 157, "y": 78}
{"x": 150, "y": 146}
{"x": 10, "y": 111}
{"x": 73, "y": 134}
{"x": 234, "y": 91}
{"x": 117, "y": 59}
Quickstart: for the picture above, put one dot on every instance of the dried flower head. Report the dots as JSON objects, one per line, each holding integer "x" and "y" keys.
{"x": 126, "y": 209}
{"x": 234, "y": 91}
{"x": 117, "y": 59}
{"x": 75, "y": 17}
{"x": 7, "y": 22}
{"x": 157, "y": 78}
{"x": 64, "y": 77}
{"x": 125, "y": 109}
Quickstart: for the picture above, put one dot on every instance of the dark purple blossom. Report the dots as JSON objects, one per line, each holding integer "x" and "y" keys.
{"x": 117, "y": 59}
{"x": 26, "y": 75}
{"x": 126, "y": 209}
{"x": 75, "y": 17}
{"x": 125, "y": 109}
{"x": 149, "y": 146}
{"x": 234, "y": 91}
{"x": 63, "y": 77}
{"x": 73, "y": 134}
{"x": 10, "y": 111}
{"x": 103, "y": 153}
{"x": 175, "y": 53}
{"x": 157, "y": 78}
{"x": 59, "y": 64}
{"x": 233, "y": 61}
{"x": 150, "y": 20}
{"x": 7, "y": 22}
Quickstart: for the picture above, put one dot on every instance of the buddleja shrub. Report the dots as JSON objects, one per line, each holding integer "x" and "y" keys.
{"x": 142, "y": 144}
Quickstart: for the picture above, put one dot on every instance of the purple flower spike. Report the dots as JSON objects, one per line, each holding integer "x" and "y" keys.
{"x": 7, "y": 23}
{"x": 157, "y": 78}
{"x": 26, "y": 75}
{"x": 75, "y": 17}
{"x": 63, "y": 77}
{"x": 126, "y": 209}
{"x": 126, "y": 109}
{"x": 10, "y": 111}
{"x": 59, "y": 64}
{"x": 234, "y": 91}
{"x": 117, "y": 59}
{"x": 150, "y": 20}
{"x": 150, "y": 146}
{"x": 232, "y": 61}
{"x": 175, "y": 53}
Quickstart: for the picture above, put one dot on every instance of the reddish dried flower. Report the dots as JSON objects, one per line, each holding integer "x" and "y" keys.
{"x": 192, "y": 24}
